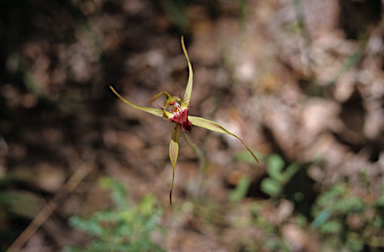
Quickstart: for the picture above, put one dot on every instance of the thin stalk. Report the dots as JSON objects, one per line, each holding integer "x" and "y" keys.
{"x": 202, "y": 160}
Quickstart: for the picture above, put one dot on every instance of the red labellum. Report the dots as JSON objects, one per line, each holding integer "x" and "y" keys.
{"x": 181, "y": 117}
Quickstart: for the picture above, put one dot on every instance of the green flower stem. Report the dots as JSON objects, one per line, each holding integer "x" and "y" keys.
{"x": 202, "y": 160}
{"x": 195, "y": 149}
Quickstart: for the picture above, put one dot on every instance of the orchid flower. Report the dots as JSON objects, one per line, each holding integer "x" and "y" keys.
{"x": 178, "y": 113}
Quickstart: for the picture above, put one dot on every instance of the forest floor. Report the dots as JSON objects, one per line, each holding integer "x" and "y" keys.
{"x": 301, "y": 82}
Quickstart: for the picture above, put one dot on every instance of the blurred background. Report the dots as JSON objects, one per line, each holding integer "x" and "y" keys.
{"x": 300, "y": 81}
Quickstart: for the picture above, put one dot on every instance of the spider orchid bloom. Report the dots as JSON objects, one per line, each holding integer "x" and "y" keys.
{"x": 178, "y": 113}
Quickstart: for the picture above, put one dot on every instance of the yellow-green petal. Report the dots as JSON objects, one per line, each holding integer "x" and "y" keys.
{"x": 210, "y": 125}
{"x": 188, "y": 90}
{"x": 173, "y": 153}
{"x": 167, "y": 97}
{"x": 152, "y": 111}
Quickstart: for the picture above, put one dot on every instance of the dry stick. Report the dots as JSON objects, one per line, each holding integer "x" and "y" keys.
{"x": 44, "y": 214}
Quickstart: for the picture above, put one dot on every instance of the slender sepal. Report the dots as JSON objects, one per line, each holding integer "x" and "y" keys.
{"x": 167, "y": 97}
{"x": 188, "y": 90}
{"x": 210, "y": 125}
{"x": 173, "y": 153}
{"x": 152, "y": 111}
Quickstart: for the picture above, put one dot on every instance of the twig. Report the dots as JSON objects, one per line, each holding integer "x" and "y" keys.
{"x": 44, "y": 214}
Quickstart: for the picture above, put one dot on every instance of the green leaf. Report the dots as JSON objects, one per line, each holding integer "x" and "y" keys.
{"x": 332, "y": 227}
{"x": 173, "y": 153}
{"x": 90, "y": 226}
{"x": 275, "y": 166}
{"x": 119, "y": 196}
{"x": 355, "y": 242}
{"x": 321, "y": 218}
{"x": 290, "y": 171}
{"x": 241, "y": 190}
{"x": 210, "y": 125}
{"x": 271, "y": 187}
{"x": 348, "y": 205}
{"x": 152, "y": 111}
{"x": 147, "y": 205}
{"x": 188, "y": 90}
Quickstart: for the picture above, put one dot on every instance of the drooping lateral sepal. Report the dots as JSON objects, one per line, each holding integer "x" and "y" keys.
{"x": 210, "y": 125}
